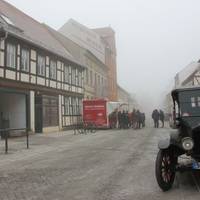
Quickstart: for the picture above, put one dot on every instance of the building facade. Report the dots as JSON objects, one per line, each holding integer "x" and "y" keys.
{"x": 108, "y": 37}
{"x": 95, "y": 76}
{"x": 188, "y": 76}
{"x": 41, "y": 84}
{"x": 126, "y": 98}
{"x": 100, "y": 58}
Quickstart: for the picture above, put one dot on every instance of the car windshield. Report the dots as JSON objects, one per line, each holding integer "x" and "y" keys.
{"x": 189, "y": 103}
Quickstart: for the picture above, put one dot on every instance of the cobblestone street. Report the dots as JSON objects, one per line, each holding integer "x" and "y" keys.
{"x": 102, "y": 166}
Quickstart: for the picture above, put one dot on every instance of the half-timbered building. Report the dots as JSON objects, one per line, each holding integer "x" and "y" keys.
{"x": 41, "y": 83}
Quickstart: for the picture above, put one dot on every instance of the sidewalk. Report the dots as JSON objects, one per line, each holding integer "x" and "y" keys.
{"x": 38, "y": 144}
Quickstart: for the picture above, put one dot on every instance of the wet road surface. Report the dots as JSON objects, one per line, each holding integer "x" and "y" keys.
{"x": 107, "y": 165}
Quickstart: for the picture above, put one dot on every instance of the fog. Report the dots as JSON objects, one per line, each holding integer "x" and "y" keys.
{"x": 155, "y": 38}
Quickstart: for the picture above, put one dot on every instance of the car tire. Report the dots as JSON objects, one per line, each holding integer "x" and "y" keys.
{"x": 165, "y": 169}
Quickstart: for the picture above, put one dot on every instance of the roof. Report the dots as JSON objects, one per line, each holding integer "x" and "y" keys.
{"x": 85, "y": 37}
{"x": 75, "y": 49}
{"x": 175, "y": 92}
{"x": 31, "y": 30}
{"x": 186, "y": 74}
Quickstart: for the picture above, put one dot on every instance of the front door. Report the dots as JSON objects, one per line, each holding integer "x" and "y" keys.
{"x": 38, "y": 114}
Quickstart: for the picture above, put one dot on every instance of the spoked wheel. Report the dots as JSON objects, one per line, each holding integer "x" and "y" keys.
{"x": 165, "y": 169}
{"x": 91, "y": 127}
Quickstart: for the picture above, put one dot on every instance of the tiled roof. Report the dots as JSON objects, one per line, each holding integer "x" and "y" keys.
{"x": 32, "y": 30}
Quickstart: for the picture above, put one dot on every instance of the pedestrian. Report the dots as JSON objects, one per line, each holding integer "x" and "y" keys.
{"x": 143, "y": 119}
{"x": 162, "y": 117}
{"x": 123, "y": 119}
{"x": 119, "y": 116}
{"x": 138, "y": 119}
{"x": 133, "y": 117}
{"x": 155, "y": 116}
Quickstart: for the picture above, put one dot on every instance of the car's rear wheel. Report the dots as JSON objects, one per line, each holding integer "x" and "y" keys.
{"x": 165, "y": 169}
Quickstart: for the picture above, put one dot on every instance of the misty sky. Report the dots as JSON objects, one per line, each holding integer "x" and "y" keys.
{"x": 155, "y": 38}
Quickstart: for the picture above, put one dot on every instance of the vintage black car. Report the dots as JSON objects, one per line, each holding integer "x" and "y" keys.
{"x": 184, "y": 142}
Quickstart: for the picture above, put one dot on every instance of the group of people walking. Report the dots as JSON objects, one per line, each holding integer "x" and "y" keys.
{"x": 124, "y": 119}
{"x": 156, "y": 116}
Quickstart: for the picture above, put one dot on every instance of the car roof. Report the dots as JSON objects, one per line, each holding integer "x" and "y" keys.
{"x": 176, "y": 91}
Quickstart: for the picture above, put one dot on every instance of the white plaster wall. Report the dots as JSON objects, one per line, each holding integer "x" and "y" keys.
{"x": 1, "y": 58}
{"x": 24, "y": 77}
{"x": 13, "y": 107}
{"x": 40, "y": 81}
{"x": 33, "y": 79}
{"x": 33, "y": 54}
{"x": 2, "y": 44}
{"x": 10, "y": 74}
{"x": 53, "y": 84}
{"x": 1, "y": 72}
{"x": 33, "y": 67}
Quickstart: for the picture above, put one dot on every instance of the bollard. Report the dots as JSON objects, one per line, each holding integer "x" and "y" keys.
{"x": 6, "y": 142}
{"x": 27, "y": 139}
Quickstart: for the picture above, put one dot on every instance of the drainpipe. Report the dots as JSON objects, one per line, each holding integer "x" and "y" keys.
{"x": 3, "y": 34}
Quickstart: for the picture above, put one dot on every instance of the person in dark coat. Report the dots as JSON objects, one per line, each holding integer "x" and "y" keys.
{"x": 126, "y": 120}
{"x": 123, "y": 119}
{"x": 162, "y": 117}
{"x": 119, "y": 120}
{"x": 138, "y": 119}
{"x": 143, "y": 119}
{"x": 133, "y": 118}
{"x": 155, "y": 116}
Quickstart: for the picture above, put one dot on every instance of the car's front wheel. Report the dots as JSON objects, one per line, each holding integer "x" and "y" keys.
{"x": 165, "y": 169}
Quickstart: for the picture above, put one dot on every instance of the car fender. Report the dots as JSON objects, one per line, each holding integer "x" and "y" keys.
{"x": 164, "y": 144}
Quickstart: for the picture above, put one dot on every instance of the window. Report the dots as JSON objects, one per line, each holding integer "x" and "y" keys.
{"x": 73, "y": 76}
{"x": 76, "y": 105}
{"x": 25, "y": 60}
{"x": 102, "y": 81}
{"x": 70, "y": 75}
{"x": 95, "y": 79}
{"x": 86, "y": 76}
{"x": 91, "y": 78}
{"x": 193, "y": 103}
{"x": 99, "y": 80}
{"x": 199, "y": 101}
{"x": 52, "y": 73}
{"x": 11, "y": 55}
{"x": 66, "y": 74}
{"x": 79, "y": 106}
{"x": 80, "y": 78}
{"x": 50, "y": 110}
{"x": 74, "y": 108}
{"x": 41, "y": 65}
{"x": 67, "y": 105}
{"x": 77, "y": 83}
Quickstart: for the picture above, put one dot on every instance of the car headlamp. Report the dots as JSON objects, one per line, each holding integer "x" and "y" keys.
{"x": 187, "y": 143}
